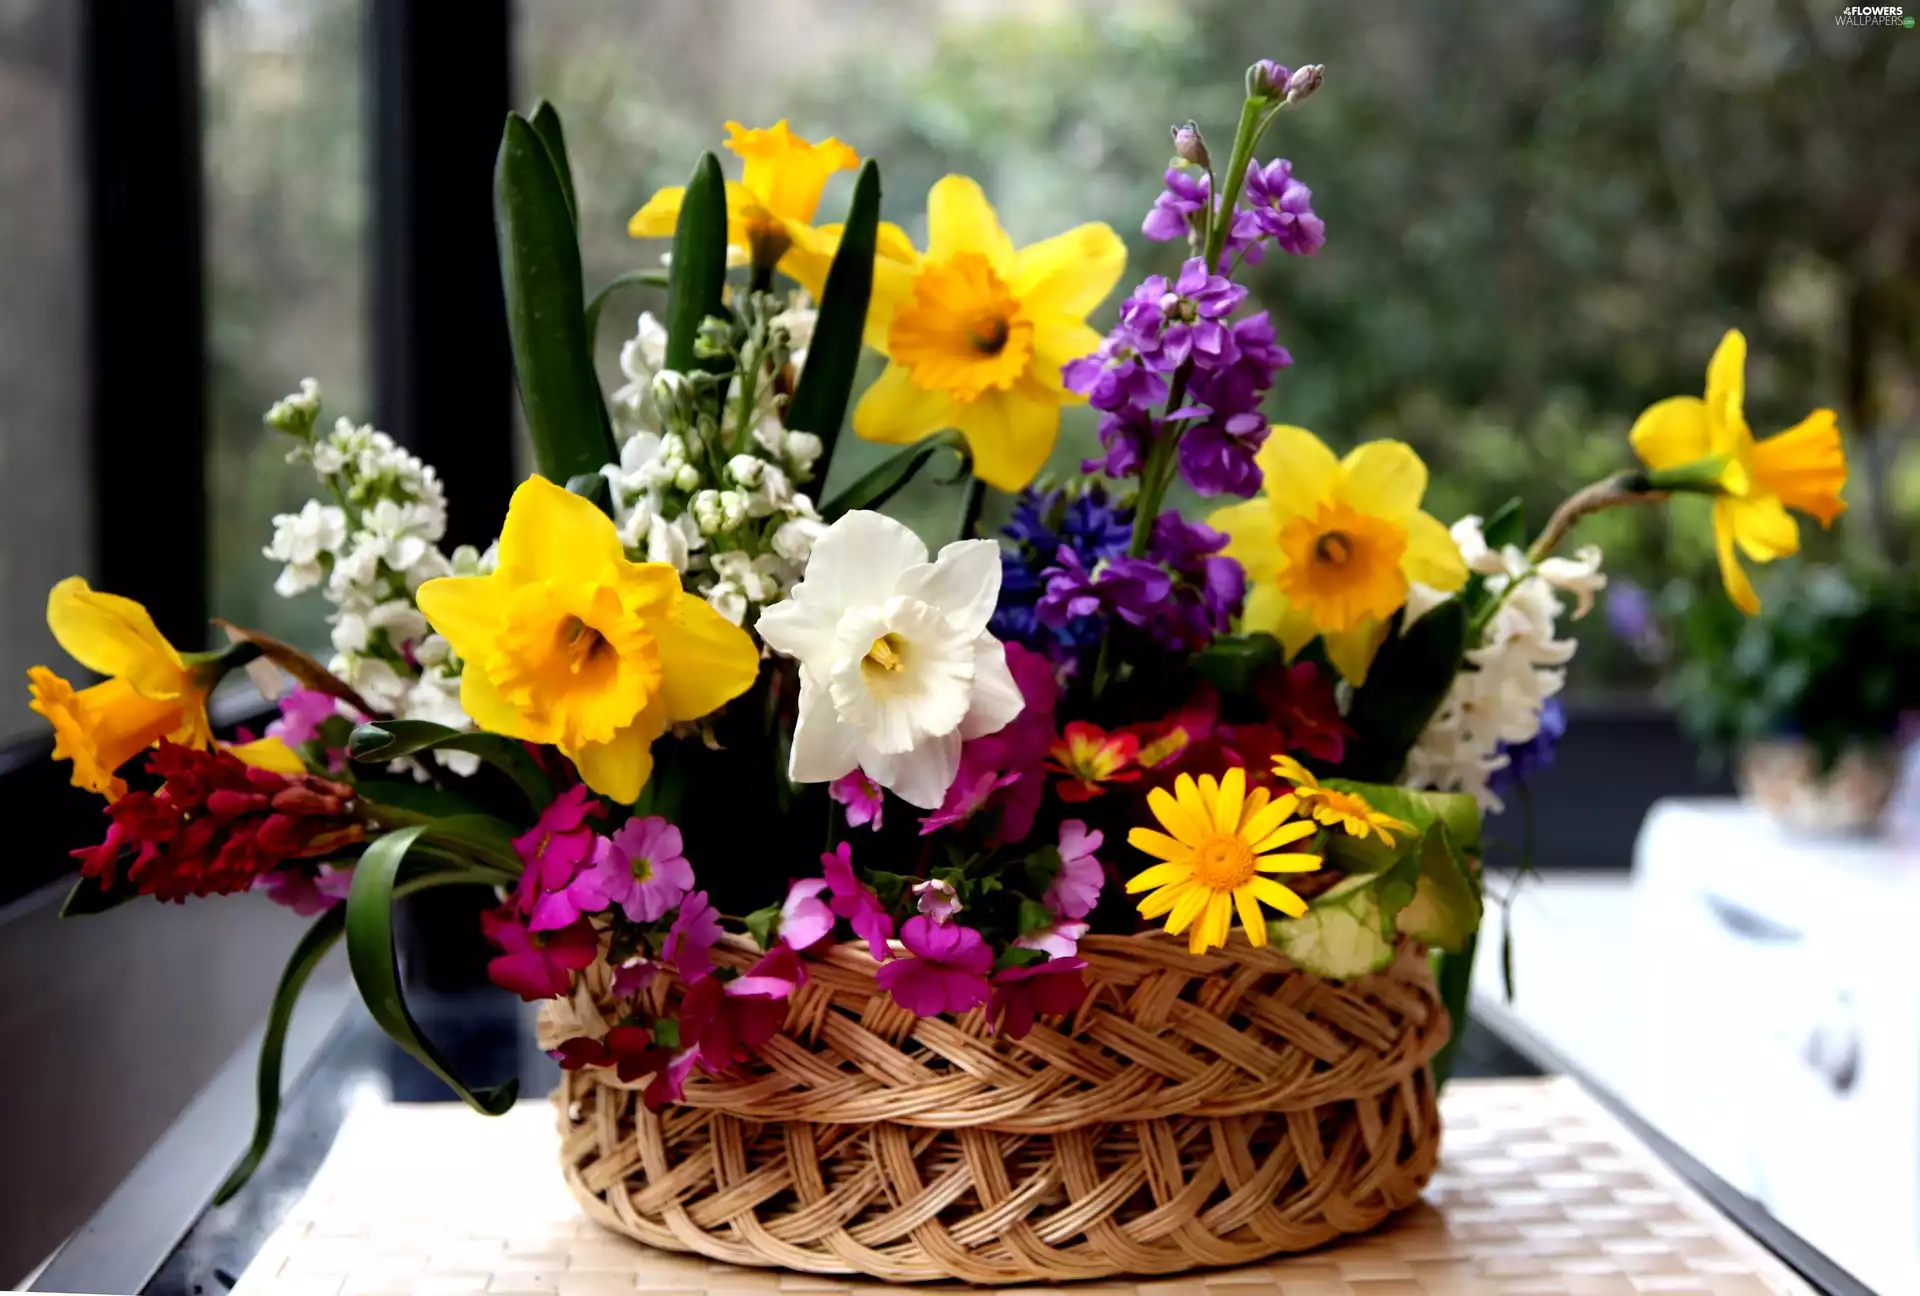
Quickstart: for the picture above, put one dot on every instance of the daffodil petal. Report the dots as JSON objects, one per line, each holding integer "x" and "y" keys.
{"x": 1275, "y": 896}
{"x": 1352, "y": 651}
{"x": 550, "y": 529}
{"x": 269, "y": 754}
{"x": 1382, "y": 478}
{"x": 1806, "y": 466}
{"x": 1298, "y": 471}
{"x": 1763, "y": 528}
{"x": 463, "y": 610}
{"x": 897, "y": 411}
{"x": 1011, "y": 435}
{"x": 1732, "y": 575}
{"x": 1671, "y": 432}
{"x": 115, "y": 636}
{"x": 1158, "y": 845}
{"x": 1432, "y": 557}
{"x": 1056, "y": 341}
{"x": 659, "y": 215}
{"x": 1253, "y": 537}
{"x": 1070, "y": 273}
{"x": 618, "y": 769}
{"x": 960, "y": 219}
{"x": 705, "y": 660}
{"x": 1727, "y": 381}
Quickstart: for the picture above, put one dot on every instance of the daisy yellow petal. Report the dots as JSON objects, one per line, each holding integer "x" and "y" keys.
{"x": 1230, "y": 798}
{"x": 1210, "y": 932}
{"x": 1162, "y": 901}
{"x": 1383, "y": 478}
{"x": 1671, "y": 432}
{"x": 1298, "y": 469}
{"x": 1275, "y": 896}
{"x": 1277, "y": 837}
{"x": 1186, "y": 825}
{"x": 1252, "y": 921}
{"x": 960, "y": 219}
{"x": 1255, "y": 804}
{"x": 1191, "y": 905}
{"x": 1158, "y": 845}
{"x": 1158, "y": 875}
{"x": 1187, "y": 792}
{"x": 1293, "y": 771}
{"x": 1256, "y": 826}
{"x": 1806, "y": 466}
{"x": 111, "y": 635}
{"x": 1070, "y": 273}
{"x": 1287, "y": 863}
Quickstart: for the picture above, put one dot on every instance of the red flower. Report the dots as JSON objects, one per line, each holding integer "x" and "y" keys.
{"x": 727, "y": 1021}
{"x": 537, "y": 965}
{"x": 1021, "y": 994}
{"x": 628, "y": 1049}
{"x": 1090, "y": 757}
{"x": 1299, "y": 700}
{"x": 217, "y": 824}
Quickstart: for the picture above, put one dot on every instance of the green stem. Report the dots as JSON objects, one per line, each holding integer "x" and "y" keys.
{"x": 1244, "y": 138}
{"x": 1157, "y": 475}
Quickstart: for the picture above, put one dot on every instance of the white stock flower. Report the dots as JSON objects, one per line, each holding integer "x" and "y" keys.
{"x": 300, "y": 540}
{"x": 896, "y": 665}
{"x": 794, "y": 539}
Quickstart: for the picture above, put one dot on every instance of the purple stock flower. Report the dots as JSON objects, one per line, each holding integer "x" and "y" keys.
{"x": 1172, "y": 322}
{"x": 1187, "y": 192}
{"x": 1132, "y": 588}
{"x": 1267, "y": 79}
{"x": 1113, "y": 378}
{"x": 1125, "y": 438}
{"x": 1216, "y": 457}
{"x": 1283, "y": 207}
{"x": 1207, "y": 588}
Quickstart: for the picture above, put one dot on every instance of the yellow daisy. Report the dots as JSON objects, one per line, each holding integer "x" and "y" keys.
{"x": 1347, "y": 811}
{"x": 1333, "y": 546}
{"x": 1802, "y": 468}
{"x": 977, "y": 331}
{"x": 1214, "y": 855}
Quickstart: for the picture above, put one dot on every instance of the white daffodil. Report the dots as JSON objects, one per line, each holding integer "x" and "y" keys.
{"x": 896, "y": 665}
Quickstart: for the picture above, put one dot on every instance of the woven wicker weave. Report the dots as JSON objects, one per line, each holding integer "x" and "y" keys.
{"x": 1197, "y": 1111}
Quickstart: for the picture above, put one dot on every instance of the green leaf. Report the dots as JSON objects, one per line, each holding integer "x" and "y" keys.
{"x": 886, "y": 480}
{"x": 631, "y": 279}
{"x": 313, "y": 947}
{"x": 411, "y": 798}
{"x": 546, "y": 318}
{"x": 1455, "y": 974}
{"x": 1034, "y": 917}
{"x": 391, "y": 739}
{"x": 1407, "y": 682}
{"x": 369, "y": 923}
{"x": 1015, "y": 956}
{"x": 1445, "y": 910}
{"x": 88, "y": 897}
{"x": 819, "y": 403}
{"x": 481, "y": 837}
{"x": 1340, "y": 936}
{"x": 761, "y": 924}
{"x": 1043, "y": 868}
{"x": 666, "y": 1033}
{"x": 546, "y": 124}
{"x": 699, "y": 262}
{"x": 1507, "y": 526}
{"x": 1232, "y": 662}
{"x": 594, "y": 488}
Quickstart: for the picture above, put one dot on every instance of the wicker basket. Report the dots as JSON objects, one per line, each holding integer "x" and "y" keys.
{"x": 1196, "y": 1111}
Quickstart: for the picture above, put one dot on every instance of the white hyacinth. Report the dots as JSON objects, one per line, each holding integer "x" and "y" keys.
{"x": 1517, "y": 665}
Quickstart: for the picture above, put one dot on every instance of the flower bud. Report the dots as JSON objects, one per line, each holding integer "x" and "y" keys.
{"x": 746, "y": 470}
{"x": 1267, "y": 80}
{"x": 714, "y": 338}
{"x": 1189, "y": 146}
{"x": 673, "y": 396}
{"x": 1304, "y": 82}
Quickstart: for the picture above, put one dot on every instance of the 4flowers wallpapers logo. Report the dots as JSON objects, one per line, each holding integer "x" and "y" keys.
{"x": 684, "y": 706}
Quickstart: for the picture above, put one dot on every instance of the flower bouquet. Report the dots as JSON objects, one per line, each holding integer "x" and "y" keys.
{"x": 1045, "y": 905}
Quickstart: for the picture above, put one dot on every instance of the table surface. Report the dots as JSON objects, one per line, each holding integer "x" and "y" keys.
{"x": 159, "y": 1233}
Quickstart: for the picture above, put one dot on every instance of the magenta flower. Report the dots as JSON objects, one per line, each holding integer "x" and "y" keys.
{"x": 937, "y": 900}
{"x": 969, "y": 792}
{"x": 536, "y": 965}
{"x": 306, "y": 892}
{"x": 1021, "y": 994}
{"x": 806, "y": 919}
{"x": 947, "y": 970}
{"x": 1076, "y": 887}
{"x": 853, "y": 901}
{"x": 633, "y": 976}
{"x": 557, "y": 847}
{"x": 640, "y": 868}
{"x": 1061, "y": 940}
{"x": 862, "y": 797}
{"x": 669, "y": 1083}
{"x": 727, "y": 1022}
{"x": 689, "y": 944}
{"x": 1007, "y": 764}
{"x": 1283, "y": 206}
{"x": 302, "y": 712}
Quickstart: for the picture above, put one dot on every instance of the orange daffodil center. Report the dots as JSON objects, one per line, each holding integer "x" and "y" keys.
{"x": 569, "y": 643}
{"x": 976, "y": 331}
{"x": 1803, "y": 468}
{"x": 772, "y": 205}
{"x": 1334, "y": 545}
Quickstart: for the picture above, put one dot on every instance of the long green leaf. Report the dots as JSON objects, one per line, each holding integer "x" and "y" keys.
{"x": 884, "y": 482}
{"x": 481, "y": 837}
{"x": 370, "y": 957}
{"x": 819, "y": 403}
{"x": 546, "y": 124}
{"x": 699, "y": 261}
{"x": 313, "y": 947}
{"x": 1455, "y": 972}
{"x": 391, "y": 739}
{"x": 631, "y": 279}
{"x": 88, "y": 897}
{"x": 546, "y": 316}
{"x": 1407, "y": 682}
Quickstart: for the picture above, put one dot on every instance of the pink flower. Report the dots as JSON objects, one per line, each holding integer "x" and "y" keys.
{"x": 669, "y": 1083}
{"x": 633, "y": 976}
{"x": 695, "y": 932}
{"x": 937, "y": 900}
{"x": 806, "y": 919}
{"x": 302, "y": 712}
{"x": 306, "y": 892}
{"x": 537, "y": 965}
{"x": 1050, "y": 989}
{"x": 1061, "y": 940}
{"x": 557, "y": 847}
{"x": 1005, "y": 771}
{"x": 1076, "y": 888}
{"x": 640, "y": 868}
{"x": 969, "y": 792}
{"x": 947, "y": 972}
{"x": 728, "y": 1021}
{"x": 858, "y": 905}
{"x": 862, "y": 797}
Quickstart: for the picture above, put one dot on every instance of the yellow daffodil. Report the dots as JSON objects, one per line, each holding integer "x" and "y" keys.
{"x": 977, "y": 331}
{"x": 1802, "y": 468}
{"x": 772, "y": 204}
{"x": 150, "y": 692}
{"x": 1347, "y": 811}
{"x": 268, "y": 754}
{"x": 1333, "y": 545}
{"x": 568, "y": 643}
{"x": 1214, "y": 856}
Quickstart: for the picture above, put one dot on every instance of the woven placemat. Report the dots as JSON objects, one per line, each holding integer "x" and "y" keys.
{"x": 1540, "y": 1191}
